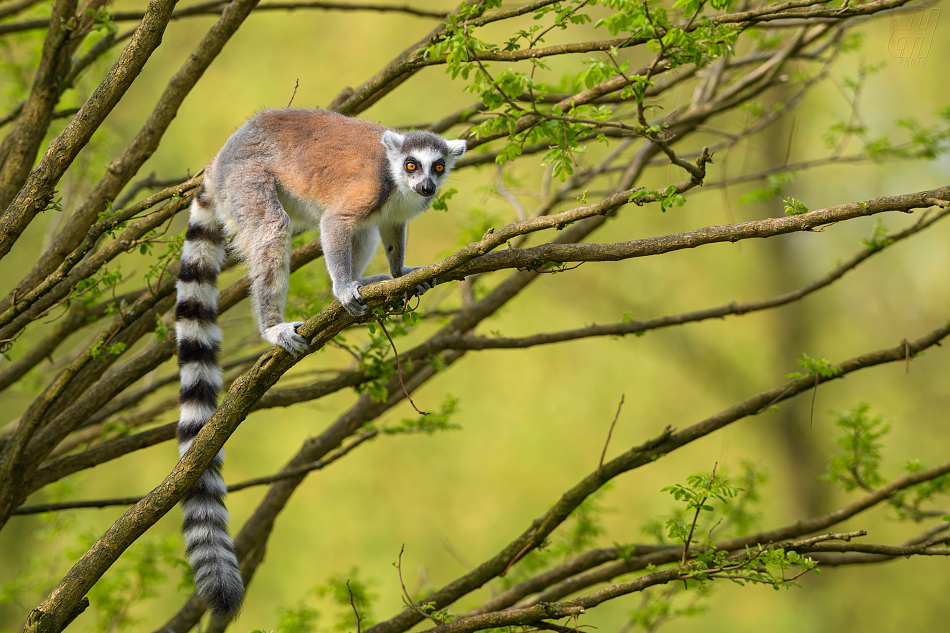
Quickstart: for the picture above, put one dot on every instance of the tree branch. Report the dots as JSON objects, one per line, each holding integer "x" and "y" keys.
{"x": 36, "y": 193}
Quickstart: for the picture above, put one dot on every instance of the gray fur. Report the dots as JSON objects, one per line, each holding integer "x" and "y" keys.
{"x": 285, "y": 171}
{"x": 216, "y": 571}
{"x": 262, "y": 211}
{"x": 422, "y": 139}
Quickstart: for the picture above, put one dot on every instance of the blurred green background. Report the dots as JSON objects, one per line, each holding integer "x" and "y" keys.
{"x": 534, "y": 421}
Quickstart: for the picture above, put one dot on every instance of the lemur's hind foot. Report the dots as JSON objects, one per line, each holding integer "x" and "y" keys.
{"x": 285, "y": 335}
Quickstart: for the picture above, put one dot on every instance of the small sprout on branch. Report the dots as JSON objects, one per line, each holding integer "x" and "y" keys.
{"x": 440, "y": 616}
{"x": 96, "y": 351}
{"x": 102, "y": 21}
{"x": 671, "y": 198}
{"x": 817, "y": 367}
{"x": 794, "y": 206}
{"x": 55, "y": 205}
{"x": 879, "y": 238}
{"x": 697, "y": 491}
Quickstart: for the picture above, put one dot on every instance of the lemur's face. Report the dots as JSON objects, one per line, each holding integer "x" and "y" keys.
{"x": 420, "y": 161}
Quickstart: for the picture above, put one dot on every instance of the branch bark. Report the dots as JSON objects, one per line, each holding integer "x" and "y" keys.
{"x": 37, "y": 191}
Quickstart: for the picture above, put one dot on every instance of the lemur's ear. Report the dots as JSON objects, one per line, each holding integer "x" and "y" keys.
{"x": 457, "y": 147}
{"x": 392, "y": 141}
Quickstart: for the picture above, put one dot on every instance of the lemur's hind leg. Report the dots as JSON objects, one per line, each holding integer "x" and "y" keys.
{"x": 264, "y": 237}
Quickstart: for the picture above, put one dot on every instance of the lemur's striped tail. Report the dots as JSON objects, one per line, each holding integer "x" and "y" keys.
{"x": 209, "y": 545}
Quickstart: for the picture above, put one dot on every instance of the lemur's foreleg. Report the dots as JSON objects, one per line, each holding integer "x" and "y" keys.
{"x": 365, "y": 240}
{"x": 394, "y": 241}
{"x": 337, "y": 238}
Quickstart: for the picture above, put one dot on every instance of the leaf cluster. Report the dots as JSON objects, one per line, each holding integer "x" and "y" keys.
{"x": 433, "y": 422}
{"x": 857, "y": 464}
{"x": 695, "y": 496}
{"x": 815, "y": 366}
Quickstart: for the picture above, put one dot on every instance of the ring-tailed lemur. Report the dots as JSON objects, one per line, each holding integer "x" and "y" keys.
{"x": 282, "y": 172}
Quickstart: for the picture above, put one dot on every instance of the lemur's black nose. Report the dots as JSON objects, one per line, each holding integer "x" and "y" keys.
{"x": 426, "y": 188}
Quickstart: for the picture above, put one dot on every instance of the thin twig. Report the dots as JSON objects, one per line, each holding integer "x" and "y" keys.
{"x": 359, "y": 618}
{"x": 296, "y": 85}
{"x": 399, "y": 368}
{"x": 412, "y": 605}
{"x": 832, "y": 536}
{"x": 517, "y": 557}
{"x": 292, "y": 473}
{"x": 696, "y": 516}
{"x": 603, "y": 454}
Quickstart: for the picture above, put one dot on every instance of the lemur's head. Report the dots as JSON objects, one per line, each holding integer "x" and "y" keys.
{"x": 421, "y": 160}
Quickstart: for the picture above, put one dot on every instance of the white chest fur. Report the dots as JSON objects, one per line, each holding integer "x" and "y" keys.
{"x": 402, "y": 206}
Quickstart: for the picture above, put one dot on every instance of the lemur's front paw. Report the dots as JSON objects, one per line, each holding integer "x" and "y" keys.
{"x": 429, "y": 284}
{"x": 285, "y": 335}
{"x": 365, "y": 281}
{"x": 349, "y": 296}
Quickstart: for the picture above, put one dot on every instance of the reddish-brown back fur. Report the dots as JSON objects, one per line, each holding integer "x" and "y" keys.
{"x": 316, "y": 154}
{"x": 290, "y": 170}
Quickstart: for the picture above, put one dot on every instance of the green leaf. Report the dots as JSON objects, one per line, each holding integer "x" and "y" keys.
{"x": 858, "y": 462}
{"x": 794, "y": 207}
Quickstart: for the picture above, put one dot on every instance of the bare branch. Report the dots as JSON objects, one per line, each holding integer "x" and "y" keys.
{"x": 35, "y": 194}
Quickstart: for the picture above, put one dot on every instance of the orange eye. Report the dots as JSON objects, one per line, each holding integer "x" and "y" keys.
{"x": 410, "y": 166}
{"x": 440, "y": 168}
